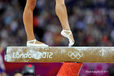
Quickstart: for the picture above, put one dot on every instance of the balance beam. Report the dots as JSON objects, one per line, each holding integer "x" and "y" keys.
{"x": 60, "y": 54}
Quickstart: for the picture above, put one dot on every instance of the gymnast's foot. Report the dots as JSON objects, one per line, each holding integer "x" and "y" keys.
{"x": 68, "y": 34}
{"x": 36, "y": 43}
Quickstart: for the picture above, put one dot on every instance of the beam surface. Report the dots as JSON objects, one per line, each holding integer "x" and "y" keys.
{"x": 60, "y": 54}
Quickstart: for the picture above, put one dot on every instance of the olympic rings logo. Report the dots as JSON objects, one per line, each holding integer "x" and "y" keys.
{"x": 75, "y": 55}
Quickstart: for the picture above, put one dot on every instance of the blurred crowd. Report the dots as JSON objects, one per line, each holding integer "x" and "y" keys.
{"x": 91, "y": 21}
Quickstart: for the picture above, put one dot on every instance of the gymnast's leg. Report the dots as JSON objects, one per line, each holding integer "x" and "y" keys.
{"x": 62, "y": 15}
{"x": 67, "y": 69}
{"x": 28, "y": 18}
{"x": 28, "y": 22}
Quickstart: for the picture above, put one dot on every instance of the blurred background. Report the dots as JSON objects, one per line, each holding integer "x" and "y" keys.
{"x": 91, "y": 21}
